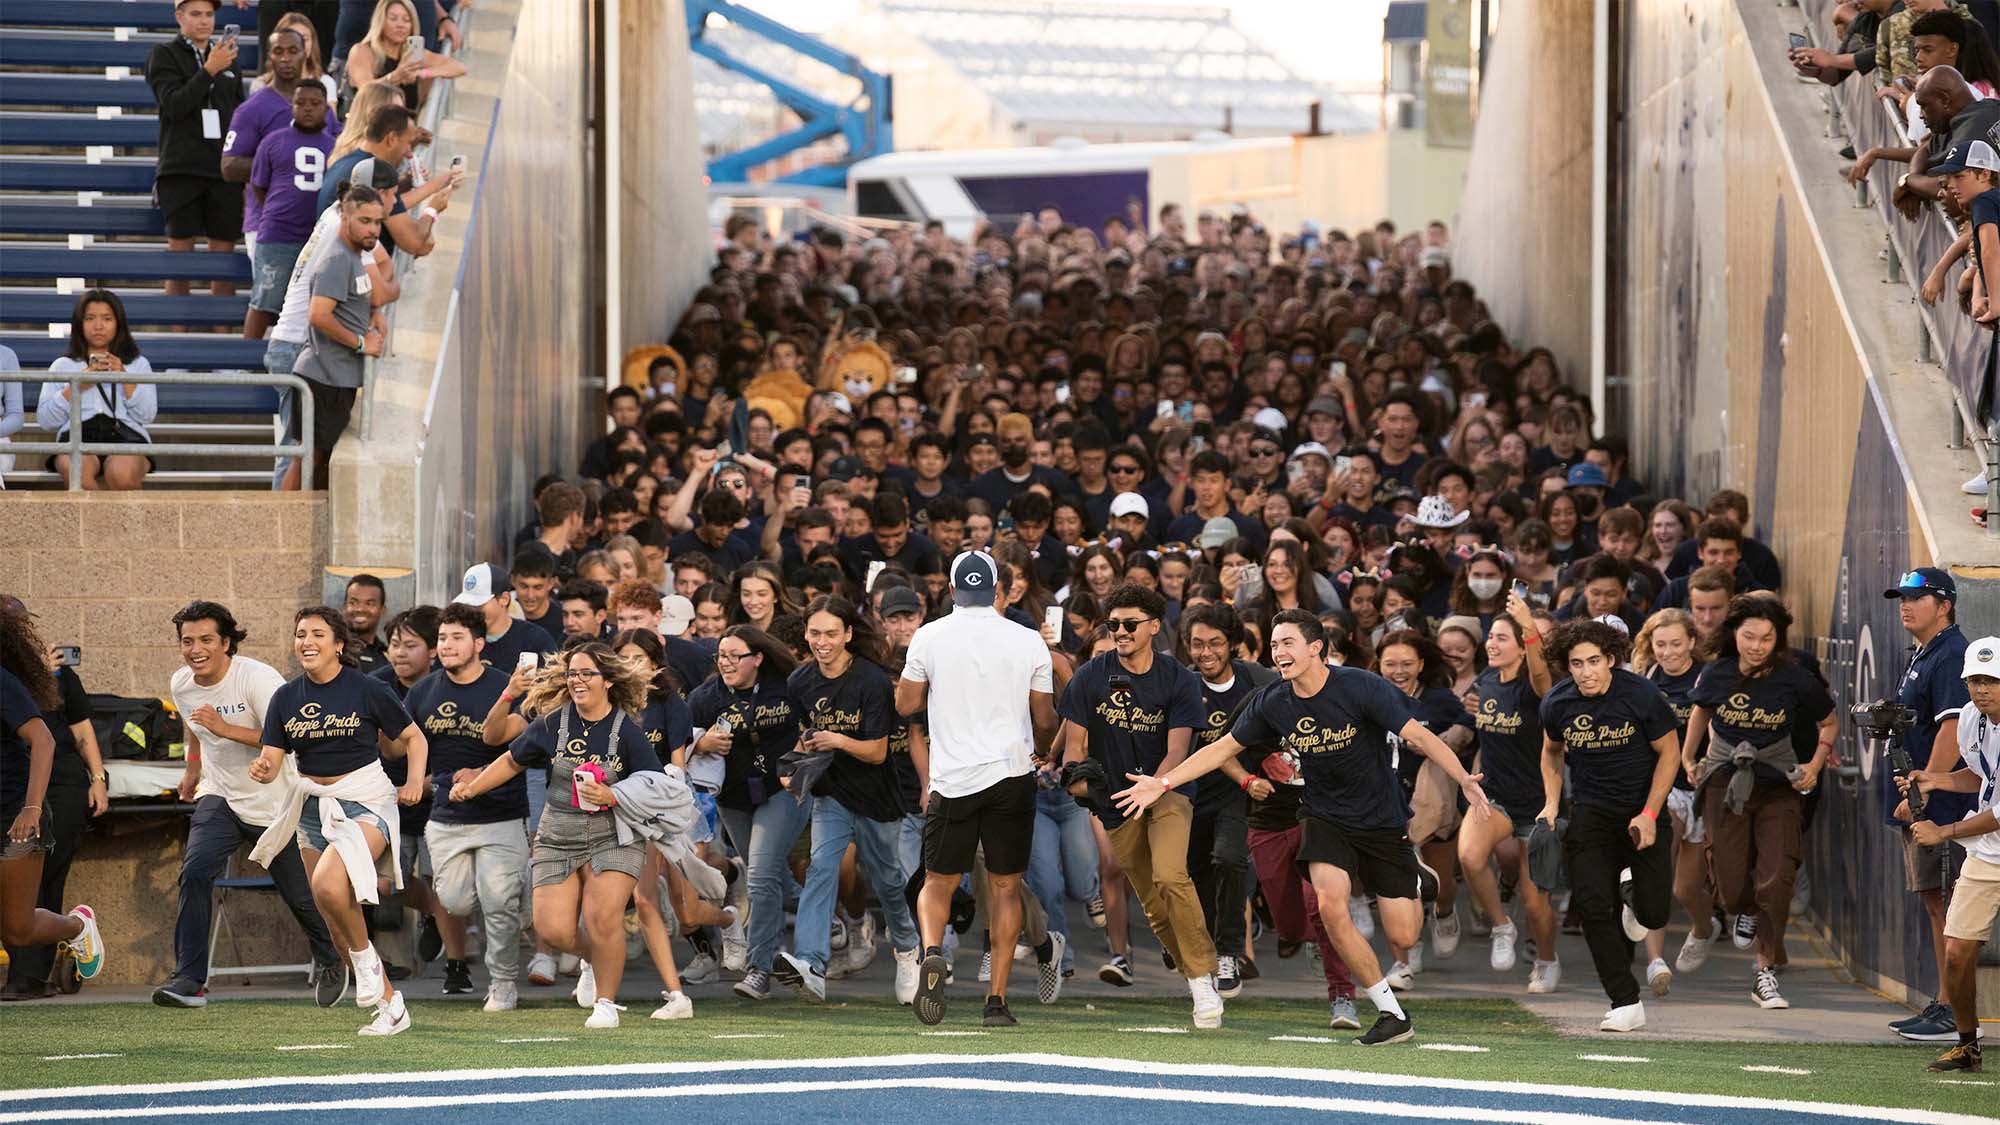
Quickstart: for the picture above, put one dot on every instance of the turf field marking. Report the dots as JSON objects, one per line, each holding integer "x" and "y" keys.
{"x": 950, "y": 1033}
{"x": 1462, "y": 1048}
{"x": 315, "y": 1047}
{"x": 66, "y": 1058}
{"x": 1964, "y": 1082}
{"x": 1124, "y": 1067}
{"x": 1776, "y": 1070}
{"x": 1300, "y": 1039}
{"x": 751, "y": 1035}
{"x": 540, "y": 1039}
{"x": 1156, "y": 1030}
{"x": 1615, "y": 1058}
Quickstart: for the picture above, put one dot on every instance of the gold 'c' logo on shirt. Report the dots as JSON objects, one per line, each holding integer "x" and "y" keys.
{"x": 1583, "y": 722}
{"x": 448, "y": 709}
{"x": 1490, "y": 706}
{"x": 309, "y": 711}
{"x": 1740, "y": 701}
{"x": 576, "y": 747}
{"x": 1307, "y": 724}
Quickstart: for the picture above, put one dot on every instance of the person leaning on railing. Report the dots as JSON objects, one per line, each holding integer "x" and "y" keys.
{"x": 100, "y": 340}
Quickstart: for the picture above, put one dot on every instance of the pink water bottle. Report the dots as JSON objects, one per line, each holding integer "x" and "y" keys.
{"x": 594, "y": 772}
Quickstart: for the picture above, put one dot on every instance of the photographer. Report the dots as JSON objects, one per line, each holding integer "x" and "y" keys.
{"x": 1927, "y": 604}
{"x": 112, "y": 411}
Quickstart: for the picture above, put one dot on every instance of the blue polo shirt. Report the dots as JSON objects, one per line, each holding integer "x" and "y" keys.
{"x": 1932, "y": 687}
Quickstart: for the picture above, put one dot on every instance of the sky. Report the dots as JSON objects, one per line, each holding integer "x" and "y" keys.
{"x": 1337, "y": 42}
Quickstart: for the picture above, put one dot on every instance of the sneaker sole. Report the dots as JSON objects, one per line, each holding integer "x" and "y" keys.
{"x": 1345, "y": 1025}
{"x": 93, "y": 940}
{"x": 1660, "y": 984}
{"x": 929, "y": 1001}
{"x": 166, "y": 999}
{"x": 1208, "y": 1023}
{"x": 1109, "y": 976}
{"x": 1403, "y": 1037}
{"x": 1781, "y": 1002}
{"x": 791, "y": 978}
{"x": 1931, "y": 1036}
{"x": 1230, "y": 993}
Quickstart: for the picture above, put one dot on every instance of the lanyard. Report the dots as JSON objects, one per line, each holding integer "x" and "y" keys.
{"x": 1988, "y": 767}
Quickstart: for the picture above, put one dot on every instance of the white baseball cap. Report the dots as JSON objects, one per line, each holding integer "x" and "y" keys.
{"x": 1308, "y": 449}
{"x": 1271, "y": 418}
{"x": 483, "y": 583}
{"x": 676, "y": 614}
{"x": 1615, "y": 621}
{"x": 1982, "y": 658}
{"x": 1130, "y": 504}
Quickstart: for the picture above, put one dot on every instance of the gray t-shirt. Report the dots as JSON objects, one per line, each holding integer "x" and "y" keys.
{"x": 343, "y": 276}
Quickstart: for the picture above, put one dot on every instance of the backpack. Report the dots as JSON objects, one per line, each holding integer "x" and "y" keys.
{"x": 130, "y": 728}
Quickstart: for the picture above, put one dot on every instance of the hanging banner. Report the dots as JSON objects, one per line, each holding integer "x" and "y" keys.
{"x": 1448, "y": 73}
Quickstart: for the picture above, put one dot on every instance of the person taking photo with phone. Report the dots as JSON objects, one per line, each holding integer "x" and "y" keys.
{"x": 111, "y": 409}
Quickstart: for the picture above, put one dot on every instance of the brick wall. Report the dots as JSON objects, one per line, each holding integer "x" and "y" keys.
{"x": 107, "y": 570}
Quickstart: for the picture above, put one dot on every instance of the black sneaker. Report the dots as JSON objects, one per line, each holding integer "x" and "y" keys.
{"x": 1117, "y": 971}
{"x": 1167, "y": 959}
{"x": 997, "y": 1014}
{"x": 931, "y": 977}
{"x": 430, "y": 941}
{"x": 1247, "y": 969}
{"x": 1387, "y": 1029}
{"x": 1427, "y": 884}
{"x": 457, "y": 978}
{"x": 1965, "y": 1056}
{"x": 179, "y": 993}
{"x": 329, "y": 984}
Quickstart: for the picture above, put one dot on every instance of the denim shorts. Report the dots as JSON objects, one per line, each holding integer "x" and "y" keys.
{"x": 311, "y": 835}
{"x": 41, "y": 843}
{"x": 271, "y": 273}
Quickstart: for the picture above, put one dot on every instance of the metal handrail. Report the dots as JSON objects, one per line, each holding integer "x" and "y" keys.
{"x": 77, "y": 448}
{"x": 428, "y": 119}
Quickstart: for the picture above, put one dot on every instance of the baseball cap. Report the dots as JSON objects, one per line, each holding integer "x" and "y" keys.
{"x": 1271, "y": 418}
{"x": 1583, "y": 474}
{"x": 483, "y": 583}
{"x": 1216, "y": 532}
{"x": 843, "y": 468}
{"x": 901, "y": 599}
{"x": 1615, "y": 621}
{"x": 676, "y": 614}
{"x": 974, "y": 578}
{"x": 1325, "y": 404}
{"x": 1925, "y": 581}
{"x": 1130, "y": 504}
{"x": 1310, "y": 449}
{"x": 701, "y": 312}
{"x": 1982, "y": 658}
{"x": 370, "y": 172}
{"x": 1434, "y": 256}
{"x": 1968, "y": 154}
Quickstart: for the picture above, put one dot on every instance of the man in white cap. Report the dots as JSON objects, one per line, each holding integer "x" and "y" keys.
{"x": 490, "y": 590}
{"x": 987, "y": 686}
{"x": 1130, "y": 518}
{"x": 692, "y": 660}
{"x": 1975, "y": 899}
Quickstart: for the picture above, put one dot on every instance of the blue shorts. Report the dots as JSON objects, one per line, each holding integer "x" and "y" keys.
{"x": 271, "y": 273}
{"x": 312, "y": 836}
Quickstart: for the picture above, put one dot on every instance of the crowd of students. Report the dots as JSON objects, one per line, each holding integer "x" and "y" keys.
{"x": 1343, "y": 605}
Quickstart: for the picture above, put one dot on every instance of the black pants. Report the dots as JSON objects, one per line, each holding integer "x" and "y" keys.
{"x": 214, "y": 834}
{"x": 69, "y": 814}
{"x": 1219, "y": 862}
{"x": 1598, "y": 847}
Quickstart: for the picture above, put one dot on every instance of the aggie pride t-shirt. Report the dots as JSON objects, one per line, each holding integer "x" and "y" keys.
{"x": 1509, "y": 723}
{"x": 1127, "y": 716}
{"x": 453, "y": 719}
{"x": 1763, "y": 709}
{"x": 1607, "y": 739}
{"x": 857, "y": 705}
{"x": 589, "y": 741}
{"x": 1340, "y": 736}
{"x": 763, "y": 725}
{"x": 332, "y": 727}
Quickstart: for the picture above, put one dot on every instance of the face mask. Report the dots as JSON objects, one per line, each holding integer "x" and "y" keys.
{"x": 1483, "y": 588}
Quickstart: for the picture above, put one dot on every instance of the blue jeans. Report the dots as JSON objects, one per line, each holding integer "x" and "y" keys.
{"x": 763, "y": 838}
{"x": 214, "y": 834}
{"x": 1063, "y": 863}
{"x": 834, "y": 827}
{"x": 279, "y": 356}
{"x": 910, "y": 843}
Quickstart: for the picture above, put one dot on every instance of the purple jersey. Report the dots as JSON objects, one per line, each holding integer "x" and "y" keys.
{"x": 289, "y": 168}
{"x": 260, "y": 115}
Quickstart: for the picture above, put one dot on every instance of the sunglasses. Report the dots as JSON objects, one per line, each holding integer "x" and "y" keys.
{"x": 1123, "y": 470}
{"x": 1125, "y": 624}
{"x": 1263, "y": 453}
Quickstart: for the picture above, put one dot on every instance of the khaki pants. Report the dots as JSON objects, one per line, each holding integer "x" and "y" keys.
{"x": 1153, "y": 851}
{"x": 1755, "y": 857}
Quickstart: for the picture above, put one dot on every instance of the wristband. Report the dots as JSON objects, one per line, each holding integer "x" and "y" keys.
{"x": 1649, "y": 814}
{"x": 1532, "y": 641}
{"x": 429, "y": 212}
{"x": 1164, "y": 783}
{"x": 1245, "y": 783}
{"x": 1325, "y": 506}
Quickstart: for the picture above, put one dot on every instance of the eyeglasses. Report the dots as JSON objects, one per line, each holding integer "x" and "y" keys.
{"x": 727, "y": 658}
{"x": 1125, "y": 624}
{"x": 582, "y": 674}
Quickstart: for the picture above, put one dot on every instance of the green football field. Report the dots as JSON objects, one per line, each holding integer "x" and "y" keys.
{"x": 130, "y": 1044}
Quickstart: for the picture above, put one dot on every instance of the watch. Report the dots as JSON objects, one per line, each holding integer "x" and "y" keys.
{"x": 100, "y": 776}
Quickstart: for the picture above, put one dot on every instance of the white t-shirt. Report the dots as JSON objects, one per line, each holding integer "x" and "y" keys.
{"x": 980, "y": 668}
{"x": 291, "y": 324}
{"x": 240, "y": 698}
{"x": 1979, "y": 749}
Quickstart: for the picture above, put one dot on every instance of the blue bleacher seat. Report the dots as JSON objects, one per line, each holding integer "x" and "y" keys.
{"x": 75, "y": 89}
{"x": 99, "y": 50}
{"x": 132, "y": 174}
{"x": 153, "y": 15}
{"x": 143, "y": 308}
{"x": 120, "y": 263}
{"x": 67, "y": 130}
{"x": 195, "y": 351}
{"x": 59, "y": 219}
{"x": 181, "y": 399}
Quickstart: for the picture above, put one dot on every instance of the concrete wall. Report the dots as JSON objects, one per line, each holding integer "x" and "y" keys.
{"x": 1522, "y": 237}
{"x": 108, "y": 570}
{"x": 660, "y": 229}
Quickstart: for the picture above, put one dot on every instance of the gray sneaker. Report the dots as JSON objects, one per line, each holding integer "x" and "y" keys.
{"x": 330, "y": 983}
{"x": 1344, "y": 1014}
{"x": 755, "y": 985}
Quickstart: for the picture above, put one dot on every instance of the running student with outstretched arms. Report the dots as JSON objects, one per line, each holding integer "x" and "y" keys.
{"x": 1353, "y": 838}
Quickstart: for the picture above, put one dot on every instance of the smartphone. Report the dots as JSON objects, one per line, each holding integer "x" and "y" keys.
{"x": 1521, "y": 590}
{"x": 458, "y": 163}
{"x": 722, "y": 725}
{"x": 1186, "y": 411}
{"x": 802, "y": 496}
{"x": 874, "y": 571}
{"x": 1296, "y": 471}
{"x": 1339, "y": 368}
{"x": 1062, "y": 392}
{"x": 69, "y": 656}
{"x": 1798, "y": 41}
{"x": 1252, "y": 574}
{"x": 1165, "y": 409}
{"x": 1342, "y": 463}
{"x": 415, "y": 49}
{"x": 528, "y": 662}
{"x": 1052, "y": 618}
{"x": 229, "y": 33}
{"x": 1197, "y": 444}
{"x": 906, "y": 375}
{"x": 590, "y": 770}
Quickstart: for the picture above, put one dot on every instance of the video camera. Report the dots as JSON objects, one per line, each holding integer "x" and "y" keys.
{"x": 1885, "y": 721}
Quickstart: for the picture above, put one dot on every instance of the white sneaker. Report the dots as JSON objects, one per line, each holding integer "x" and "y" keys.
{"x": 908, "y": 963}
{"x": 1207, "y": 1002}
{"x": 368, "y": 977}
{"x": 603, "y": 1015}
{"x": 1444, "y": 935}
{"x": 986, "y": 967}
{"x": 569, "y": 964}
{"x": 701, "y": 970}
{"x": 1417, "y": 957}
{"x": 1659, "y": 978}
{"x": 836, "y": 941}
{"x": 1765, "y": 991}
{"x": 860, "y": 945}
{"x": 677, "y": 1007}
{"x": 1502, "y": 957}
{"x": 1399, "y": 977}
{"x": 502, "y": 996}
{"x": 1976, "y": 486}
{"x": 1628, "y": 1017}
{"x": 1634, "y": 932}
{"x": 735, "y": 948}
{"x": 799, "y": 976}
{"x": 1545, "y": 976}
{"x": 586, "y": 988}
{"x": 542, "y": 969}
{"x": 390, "y": 1019}
{"x": 1357, "y": 909}
{"x": 1694, "y": 951}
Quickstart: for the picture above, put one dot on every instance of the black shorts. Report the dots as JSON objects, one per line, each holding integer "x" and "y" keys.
{"x": 999, "y": 818}
{"x": 198, "y": 207}
{"x": 332, "y": 407}
{"x": 1381, "y": 861}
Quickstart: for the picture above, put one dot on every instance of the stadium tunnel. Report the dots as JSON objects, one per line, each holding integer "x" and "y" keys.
{"x": 1744, "y": 330}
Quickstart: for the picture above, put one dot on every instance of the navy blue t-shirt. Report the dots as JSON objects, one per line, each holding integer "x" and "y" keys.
{"x": 735, "y": 550}
{"x": 859, "y": 703}
{"x": 412, "y": 817}
{"x": 17, "y": 709}
{"x": 504, "y": 652}
{"x": 1438, "y": 709}
{"x": 1509, "y": 723}
{"x": 333, "y": 726}
{"x": 763, "y": 727}
{"x": 1933, "y": 688}
{"x": 908, "y": 785}
{"x": 1340, "y": 736}
{"x": 1763, "y": 709}
{"x": 1214, "y": 790}
{"x": 1607, "y": 739}
{"x": 1679, "y": 691}
{"x": 589, "y": 741}
{"x": 1127, "y": 717}
{"x": 668, "y": 725}
{"x": 453, "y": 719}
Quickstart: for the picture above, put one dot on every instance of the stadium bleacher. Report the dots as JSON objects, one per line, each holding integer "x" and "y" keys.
{"x": 78, "y": 139}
